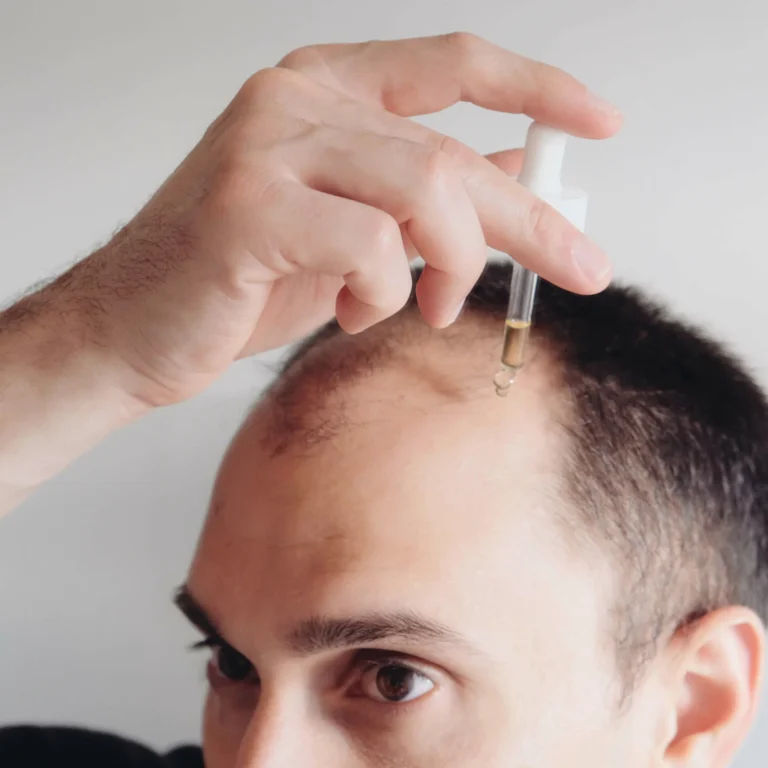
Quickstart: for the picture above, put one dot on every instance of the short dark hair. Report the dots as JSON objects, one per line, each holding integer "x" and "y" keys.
{"x": 667, "y": 457}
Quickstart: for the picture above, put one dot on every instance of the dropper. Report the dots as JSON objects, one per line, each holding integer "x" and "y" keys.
{"x": 542, "y": 164}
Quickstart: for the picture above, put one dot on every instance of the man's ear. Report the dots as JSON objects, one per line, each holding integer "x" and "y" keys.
{"x": 717, "y": 676}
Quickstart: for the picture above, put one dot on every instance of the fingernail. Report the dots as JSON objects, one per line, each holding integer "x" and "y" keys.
{"x": 458, "y": 312}
{"x": 592, "y": 262}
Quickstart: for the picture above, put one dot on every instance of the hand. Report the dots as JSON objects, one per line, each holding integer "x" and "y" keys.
{"x": 308, "y": 195}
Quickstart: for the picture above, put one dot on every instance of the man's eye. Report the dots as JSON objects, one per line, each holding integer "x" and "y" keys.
{"x": 394, "y": 683}
{"x": 230, "y": 663}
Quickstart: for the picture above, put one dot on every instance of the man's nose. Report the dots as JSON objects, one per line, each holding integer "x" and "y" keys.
{"x": 273, "y": 740}
{"x": 288, "y": 736}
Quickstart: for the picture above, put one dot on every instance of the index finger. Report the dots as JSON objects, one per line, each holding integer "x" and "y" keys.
{"x": 424, "y": 75}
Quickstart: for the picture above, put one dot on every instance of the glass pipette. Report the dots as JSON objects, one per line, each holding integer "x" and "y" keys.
{"x": 543, "y": 161}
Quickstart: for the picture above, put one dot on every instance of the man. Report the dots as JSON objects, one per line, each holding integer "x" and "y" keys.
{"x": 400, "y": 568}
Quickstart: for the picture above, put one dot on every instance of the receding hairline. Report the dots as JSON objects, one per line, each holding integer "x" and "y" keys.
{"x": 305, "y": 405}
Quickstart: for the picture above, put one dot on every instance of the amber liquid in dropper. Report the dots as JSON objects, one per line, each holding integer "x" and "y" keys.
{"x": 516, "y": 333}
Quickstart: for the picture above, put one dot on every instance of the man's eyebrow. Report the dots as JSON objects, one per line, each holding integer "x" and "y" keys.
{"x": 196, "y": 614}
{"x": 322, "y": 633}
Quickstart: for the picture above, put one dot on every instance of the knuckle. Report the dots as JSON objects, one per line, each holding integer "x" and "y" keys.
{"x": 439, "y": 171}
{"x": 306, "y": 57}
{"x": 465, "y": 44}
{"x": 267, "y": 85}
{"x": 539, "y": 222}
{"x": 459, "y": 153}
{"x": 382, "y": 233}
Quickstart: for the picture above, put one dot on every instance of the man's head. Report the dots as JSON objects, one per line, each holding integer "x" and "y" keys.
{"x": 401, "y": 569}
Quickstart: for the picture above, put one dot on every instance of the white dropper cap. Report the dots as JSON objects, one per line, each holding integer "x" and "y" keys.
{"x": 542, "y": 165}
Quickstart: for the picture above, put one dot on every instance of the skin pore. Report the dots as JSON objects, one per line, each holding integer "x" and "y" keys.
{"x": 404, "y": 593}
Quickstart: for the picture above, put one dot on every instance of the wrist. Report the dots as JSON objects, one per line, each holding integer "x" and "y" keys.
{"x": 59, "y": 389}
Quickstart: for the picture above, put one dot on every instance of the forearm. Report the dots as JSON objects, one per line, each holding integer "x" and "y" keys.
{"x": 59, "y": 394}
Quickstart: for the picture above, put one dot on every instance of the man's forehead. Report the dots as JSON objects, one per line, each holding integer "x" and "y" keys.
{"x": 421, "y": 494}
{"x": 394, "y": 440}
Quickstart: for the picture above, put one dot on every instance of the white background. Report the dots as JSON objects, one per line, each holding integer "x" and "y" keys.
{"x": 98, "y": 103}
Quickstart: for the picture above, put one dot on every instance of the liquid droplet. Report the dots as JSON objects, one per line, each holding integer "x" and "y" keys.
{"x": 503, "y": 380}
